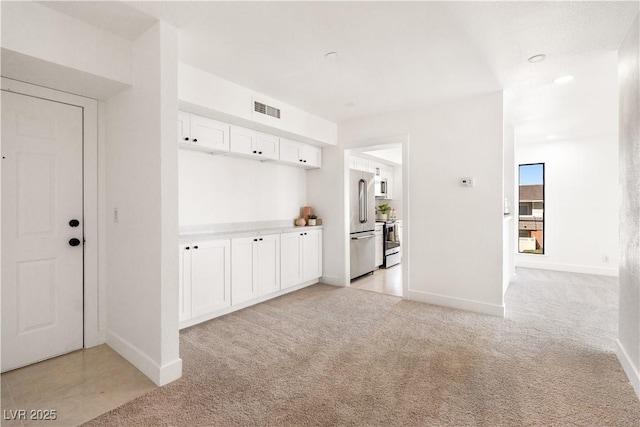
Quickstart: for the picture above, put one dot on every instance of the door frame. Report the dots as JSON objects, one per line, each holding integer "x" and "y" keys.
{"x": 90, "y": 197}
{"x": 381, "y": 142}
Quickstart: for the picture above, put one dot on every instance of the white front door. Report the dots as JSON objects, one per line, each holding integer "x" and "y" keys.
{"x": 42, "y": 270}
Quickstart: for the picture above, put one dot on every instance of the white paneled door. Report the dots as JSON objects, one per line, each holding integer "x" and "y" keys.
{"x": 42, "y": 229}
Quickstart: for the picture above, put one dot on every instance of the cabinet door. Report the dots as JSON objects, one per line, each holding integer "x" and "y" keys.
{"x": 291, "y": 259}
{"x": 267, "y": 264}
{"x": 184, "y": 124}
{"x": 268, "y": 146}
{"x": 210, "y": 276}
{"x": 312, "y": 155}
{"x": 209, "y": 134}
{"x": 290, "y": 151}
{"x": 312, "y": 254}
{"x": 243, "y": 141}
{"x": 243, "y": 287}
{"x": 379, "y": 249}
{"x": 184, "y": 283}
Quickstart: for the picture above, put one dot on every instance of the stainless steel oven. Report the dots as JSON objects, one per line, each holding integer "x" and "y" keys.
{"x": 392, "y": 251}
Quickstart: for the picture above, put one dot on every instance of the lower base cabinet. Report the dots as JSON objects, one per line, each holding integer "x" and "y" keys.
{"x": 255, "y": 267}
{"x": 218, "y": 274}
{"x": 205, "y": 278}
{"x": 301, "y": 258}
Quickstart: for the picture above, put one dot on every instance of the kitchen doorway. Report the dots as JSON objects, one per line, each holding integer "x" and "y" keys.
{"x": 380, "y": 161}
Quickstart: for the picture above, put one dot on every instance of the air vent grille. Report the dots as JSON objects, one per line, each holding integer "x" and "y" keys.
{"x": 261, "y": 108}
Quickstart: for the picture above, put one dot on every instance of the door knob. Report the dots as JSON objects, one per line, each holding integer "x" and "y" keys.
{"x": 74, "y": 242}
{"x": 74, "y": 223}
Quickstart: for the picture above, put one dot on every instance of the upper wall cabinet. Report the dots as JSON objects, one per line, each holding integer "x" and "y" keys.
{"x": 247, "y": 142}
{"x": 301, "y": 154}
{"x": 201, "y": 133}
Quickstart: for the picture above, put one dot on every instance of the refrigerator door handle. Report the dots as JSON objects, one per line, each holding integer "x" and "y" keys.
{"x": 363, "y": 237}
{"x": 362, "y": 202}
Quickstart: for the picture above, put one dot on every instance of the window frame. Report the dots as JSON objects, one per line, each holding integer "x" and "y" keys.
{"x": 544, "y": 207}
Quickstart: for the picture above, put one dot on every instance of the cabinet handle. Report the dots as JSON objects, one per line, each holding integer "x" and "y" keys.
{"x": 260, "y": 239}
{"x": 254, "y": 151}
{"x": 302, "y": 234}
{"x": 186, "y": 138}
{"x": 187, "y": 248}
{"x": 300, "y": 160}
{"x": 195, "y": 139}
{"x": 305, "y": 234}
{"x": 255, "y": 240}
{"x": 195, "y": 247}
{"x": 305, "y": 161}
{"x": 259, "y": 152}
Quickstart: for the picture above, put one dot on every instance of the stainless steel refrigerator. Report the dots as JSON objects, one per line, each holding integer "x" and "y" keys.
{"x": 363, "y": 221}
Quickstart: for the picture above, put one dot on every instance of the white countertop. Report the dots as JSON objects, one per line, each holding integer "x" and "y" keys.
{"x": 239, "y": 230}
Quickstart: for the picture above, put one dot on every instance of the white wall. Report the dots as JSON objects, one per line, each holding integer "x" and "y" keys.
{"x": 223, "y": 189}
{"x": 510, "y": 231}
{"x": 48, "y": 48}
{"x": 581, "y": 204}
{"x": 628, "y": 349}
{"x": 228, "y": 101}
{"x": 325, "y": 191}
{"x": 142, "y": 266}
{"x": 455, "y": 233}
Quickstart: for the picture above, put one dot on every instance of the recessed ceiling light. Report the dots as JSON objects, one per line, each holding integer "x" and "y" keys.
{"x": 537, "y": 58}
{"x": 349, "y": 104}
{"x": 331, "y": 56}
{"x": 563, "y": 79}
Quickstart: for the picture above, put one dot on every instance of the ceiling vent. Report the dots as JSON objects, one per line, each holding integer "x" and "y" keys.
{"x": 261, "y": 108}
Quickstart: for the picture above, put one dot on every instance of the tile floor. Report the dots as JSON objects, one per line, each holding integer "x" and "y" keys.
{"x": 385, "y": 281}
{"x": 79, "y": 386}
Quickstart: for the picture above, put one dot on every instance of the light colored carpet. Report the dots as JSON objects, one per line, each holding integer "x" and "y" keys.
{"x": 335, "y": 356}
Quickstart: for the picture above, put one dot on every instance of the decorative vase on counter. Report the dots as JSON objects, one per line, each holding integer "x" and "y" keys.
{"x": 300, "y": 222}
{"x": 306, "y": 211}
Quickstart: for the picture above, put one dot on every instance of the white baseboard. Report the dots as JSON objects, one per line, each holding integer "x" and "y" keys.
{"x": 160, "y": 375}
{"x": 459, "y": 303}
{"x": 569, "y": 268}
{"x": 632, "y": 371}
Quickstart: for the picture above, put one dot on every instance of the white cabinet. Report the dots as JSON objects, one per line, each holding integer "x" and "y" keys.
{"x": 255, "y": 267}
{"x": 291, "y": 259}
{"x": 379, "y": 238}
{"x": 205, "y": 279}
{"x": 301, "y": 257}
{"x": 247, "y": 142}
{"x": 201, "y": 133}
{"x": 312, "y": 255}
{"x": 300, "y": 154}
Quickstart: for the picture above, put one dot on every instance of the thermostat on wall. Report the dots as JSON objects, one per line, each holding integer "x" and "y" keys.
{"x": 466, "y": 182}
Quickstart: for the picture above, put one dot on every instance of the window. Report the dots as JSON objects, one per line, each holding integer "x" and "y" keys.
{"x": 525, "y": 209}
{"x": 531, "y": 209}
